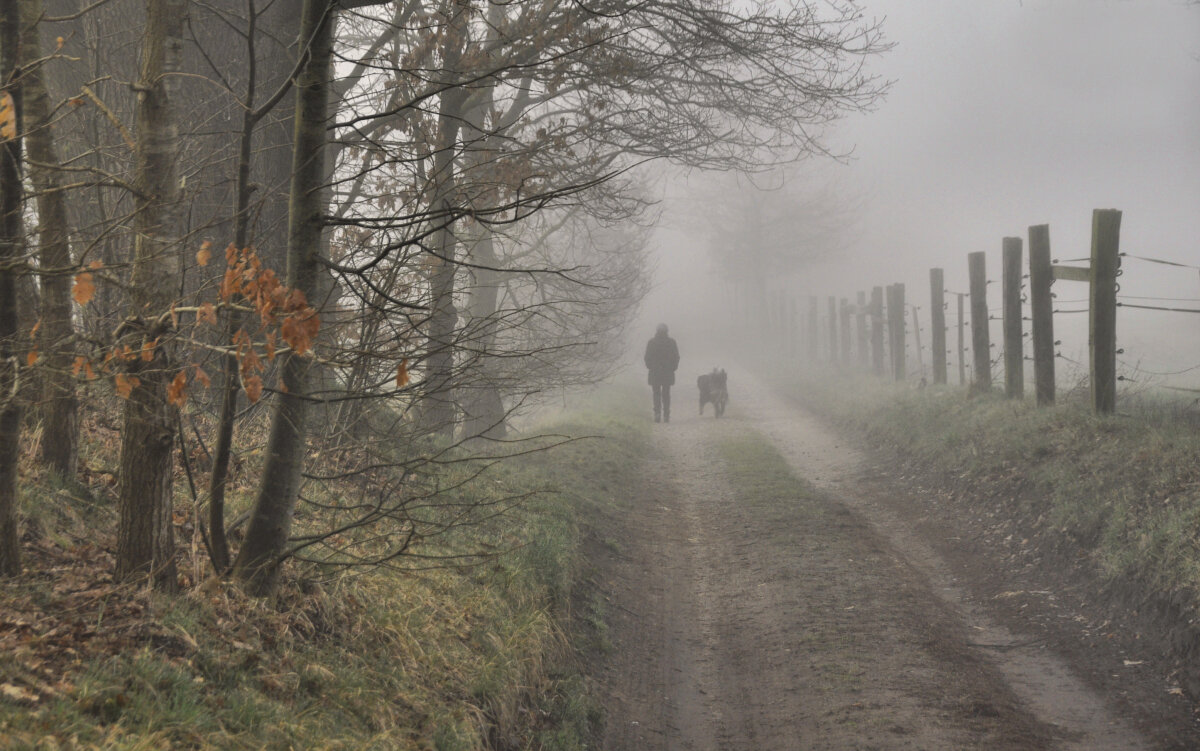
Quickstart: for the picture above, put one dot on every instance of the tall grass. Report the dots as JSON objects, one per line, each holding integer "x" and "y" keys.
{"x": 444, "y": 653}
{"x": 1124, "y": 490}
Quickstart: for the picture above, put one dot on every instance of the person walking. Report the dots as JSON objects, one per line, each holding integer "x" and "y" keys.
{"x": 662, "y": 358}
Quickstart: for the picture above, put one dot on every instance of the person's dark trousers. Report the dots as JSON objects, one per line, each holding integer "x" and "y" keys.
{"x": 662, "y": 403}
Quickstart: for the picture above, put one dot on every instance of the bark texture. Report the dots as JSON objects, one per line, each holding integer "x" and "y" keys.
{"x": 440, "y": 408}
{"x": 10, "y": 251}
{"x": 145, "y": 538}
{"x": 56, "y": 337}
{"x": 257, "y": 563}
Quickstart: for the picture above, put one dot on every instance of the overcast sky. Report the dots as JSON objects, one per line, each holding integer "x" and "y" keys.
{"x": 1007, "y": 113}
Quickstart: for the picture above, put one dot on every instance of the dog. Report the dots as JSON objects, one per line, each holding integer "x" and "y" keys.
{"x": 714, "y": 391}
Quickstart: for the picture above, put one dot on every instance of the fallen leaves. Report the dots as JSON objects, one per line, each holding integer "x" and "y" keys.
{"x": 18, "y": 694}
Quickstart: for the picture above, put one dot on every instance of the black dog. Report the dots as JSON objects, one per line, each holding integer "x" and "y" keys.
{"x": 713, "y": 390}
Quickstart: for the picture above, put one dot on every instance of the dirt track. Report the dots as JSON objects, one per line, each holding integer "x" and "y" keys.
{"x": 823, "y": 623}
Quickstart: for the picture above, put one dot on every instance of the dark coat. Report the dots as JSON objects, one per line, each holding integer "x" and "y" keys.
{"x": 662, "y": 358}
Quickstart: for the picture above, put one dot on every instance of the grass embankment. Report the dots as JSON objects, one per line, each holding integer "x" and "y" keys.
{"x": 433, "y": 657}
{"x": 1120, "y": 493}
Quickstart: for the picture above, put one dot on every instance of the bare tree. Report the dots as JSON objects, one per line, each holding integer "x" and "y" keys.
{"x": 258, "y": 560}
{"x": 145, "y": 539}
{"x": 11, "y": 251}
{"x": 559, "y": 98}
{"x": 60, "y": 406}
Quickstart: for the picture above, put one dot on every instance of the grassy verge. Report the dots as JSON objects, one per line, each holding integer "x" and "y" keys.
{"x": 436, "y": 658}
{"x": 1120, "y": 493}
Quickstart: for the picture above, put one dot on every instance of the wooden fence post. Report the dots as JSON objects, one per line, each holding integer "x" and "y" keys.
{"x": 896, "y": 318}
{"x": 962, "y": 346}
{"x": 877, "y": 330}
{"x": 1014, "y": 345}
{"x": 781, "y": 313}
{"x": 814, "y": 328}
{"x": 1106, "y": 236}
{"x": 980, "y": 337}
{"x": 794, "y": 328}
{"x": 890, "y": 325}
{"x": 1042, "y": 310}
{"x": 937, "y": 321}
{"x": 917, "y": 341}
{"x": 860, "y": 327}
{"x": 845, "y": 331}
{"x": 833, "y": 336}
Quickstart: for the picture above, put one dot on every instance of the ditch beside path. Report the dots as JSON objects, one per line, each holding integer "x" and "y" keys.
{"x": 818, "y": 623}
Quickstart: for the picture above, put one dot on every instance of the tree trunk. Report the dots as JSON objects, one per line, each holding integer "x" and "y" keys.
{"x": 10, "y": 250}
{"x": 483, "y": 405}
{"x": 258, "y": 560}
{"x": 145, "y": 538}
{"x": 440, "y": 410}
{"x": 60, "y": 407}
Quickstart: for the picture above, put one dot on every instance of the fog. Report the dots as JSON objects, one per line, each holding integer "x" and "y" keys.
{"x": 1001, "y": 115}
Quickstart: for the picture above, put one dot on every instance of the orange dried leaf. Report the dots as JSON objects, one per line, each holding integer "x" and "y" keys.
{"x": 296, "y": 301}
{"x": 33, "y": 331}
{"x": 125, "y": 384}
{"x": 251, "y": 362}
{"x": 88, "y": 373}
{"x": 77, "y": 366}
{"x": 148, "y": 349}
{"x": 96, "y": 265}
{"x": 230, "y": 284}
{"x": 254, "y": 387}
{"x": 177, "y": 391}
{"x": 31, "y": 358}
{"x": 84, "y": 290}
{"x": 202, "y": 377}
{"x": 204, "y": 255}
{"x": 402, "y": 374}
{"x": 207, "y": 313}
{"x": 8, "y": 117}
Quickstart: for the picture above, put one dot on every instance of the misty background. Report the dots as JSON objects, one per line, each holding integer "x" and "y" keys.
{"x": 1001, "y": 115}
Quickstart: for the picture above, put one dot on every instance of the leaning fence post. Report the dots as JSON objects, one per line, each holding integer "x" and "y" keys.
{"x": 1042, "y": 310}
{"x": 1106, "y": 236}
{"x": 937, "y": 321}
{"x": 1014, "y": 345}
{"x": 980, "y": 338}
